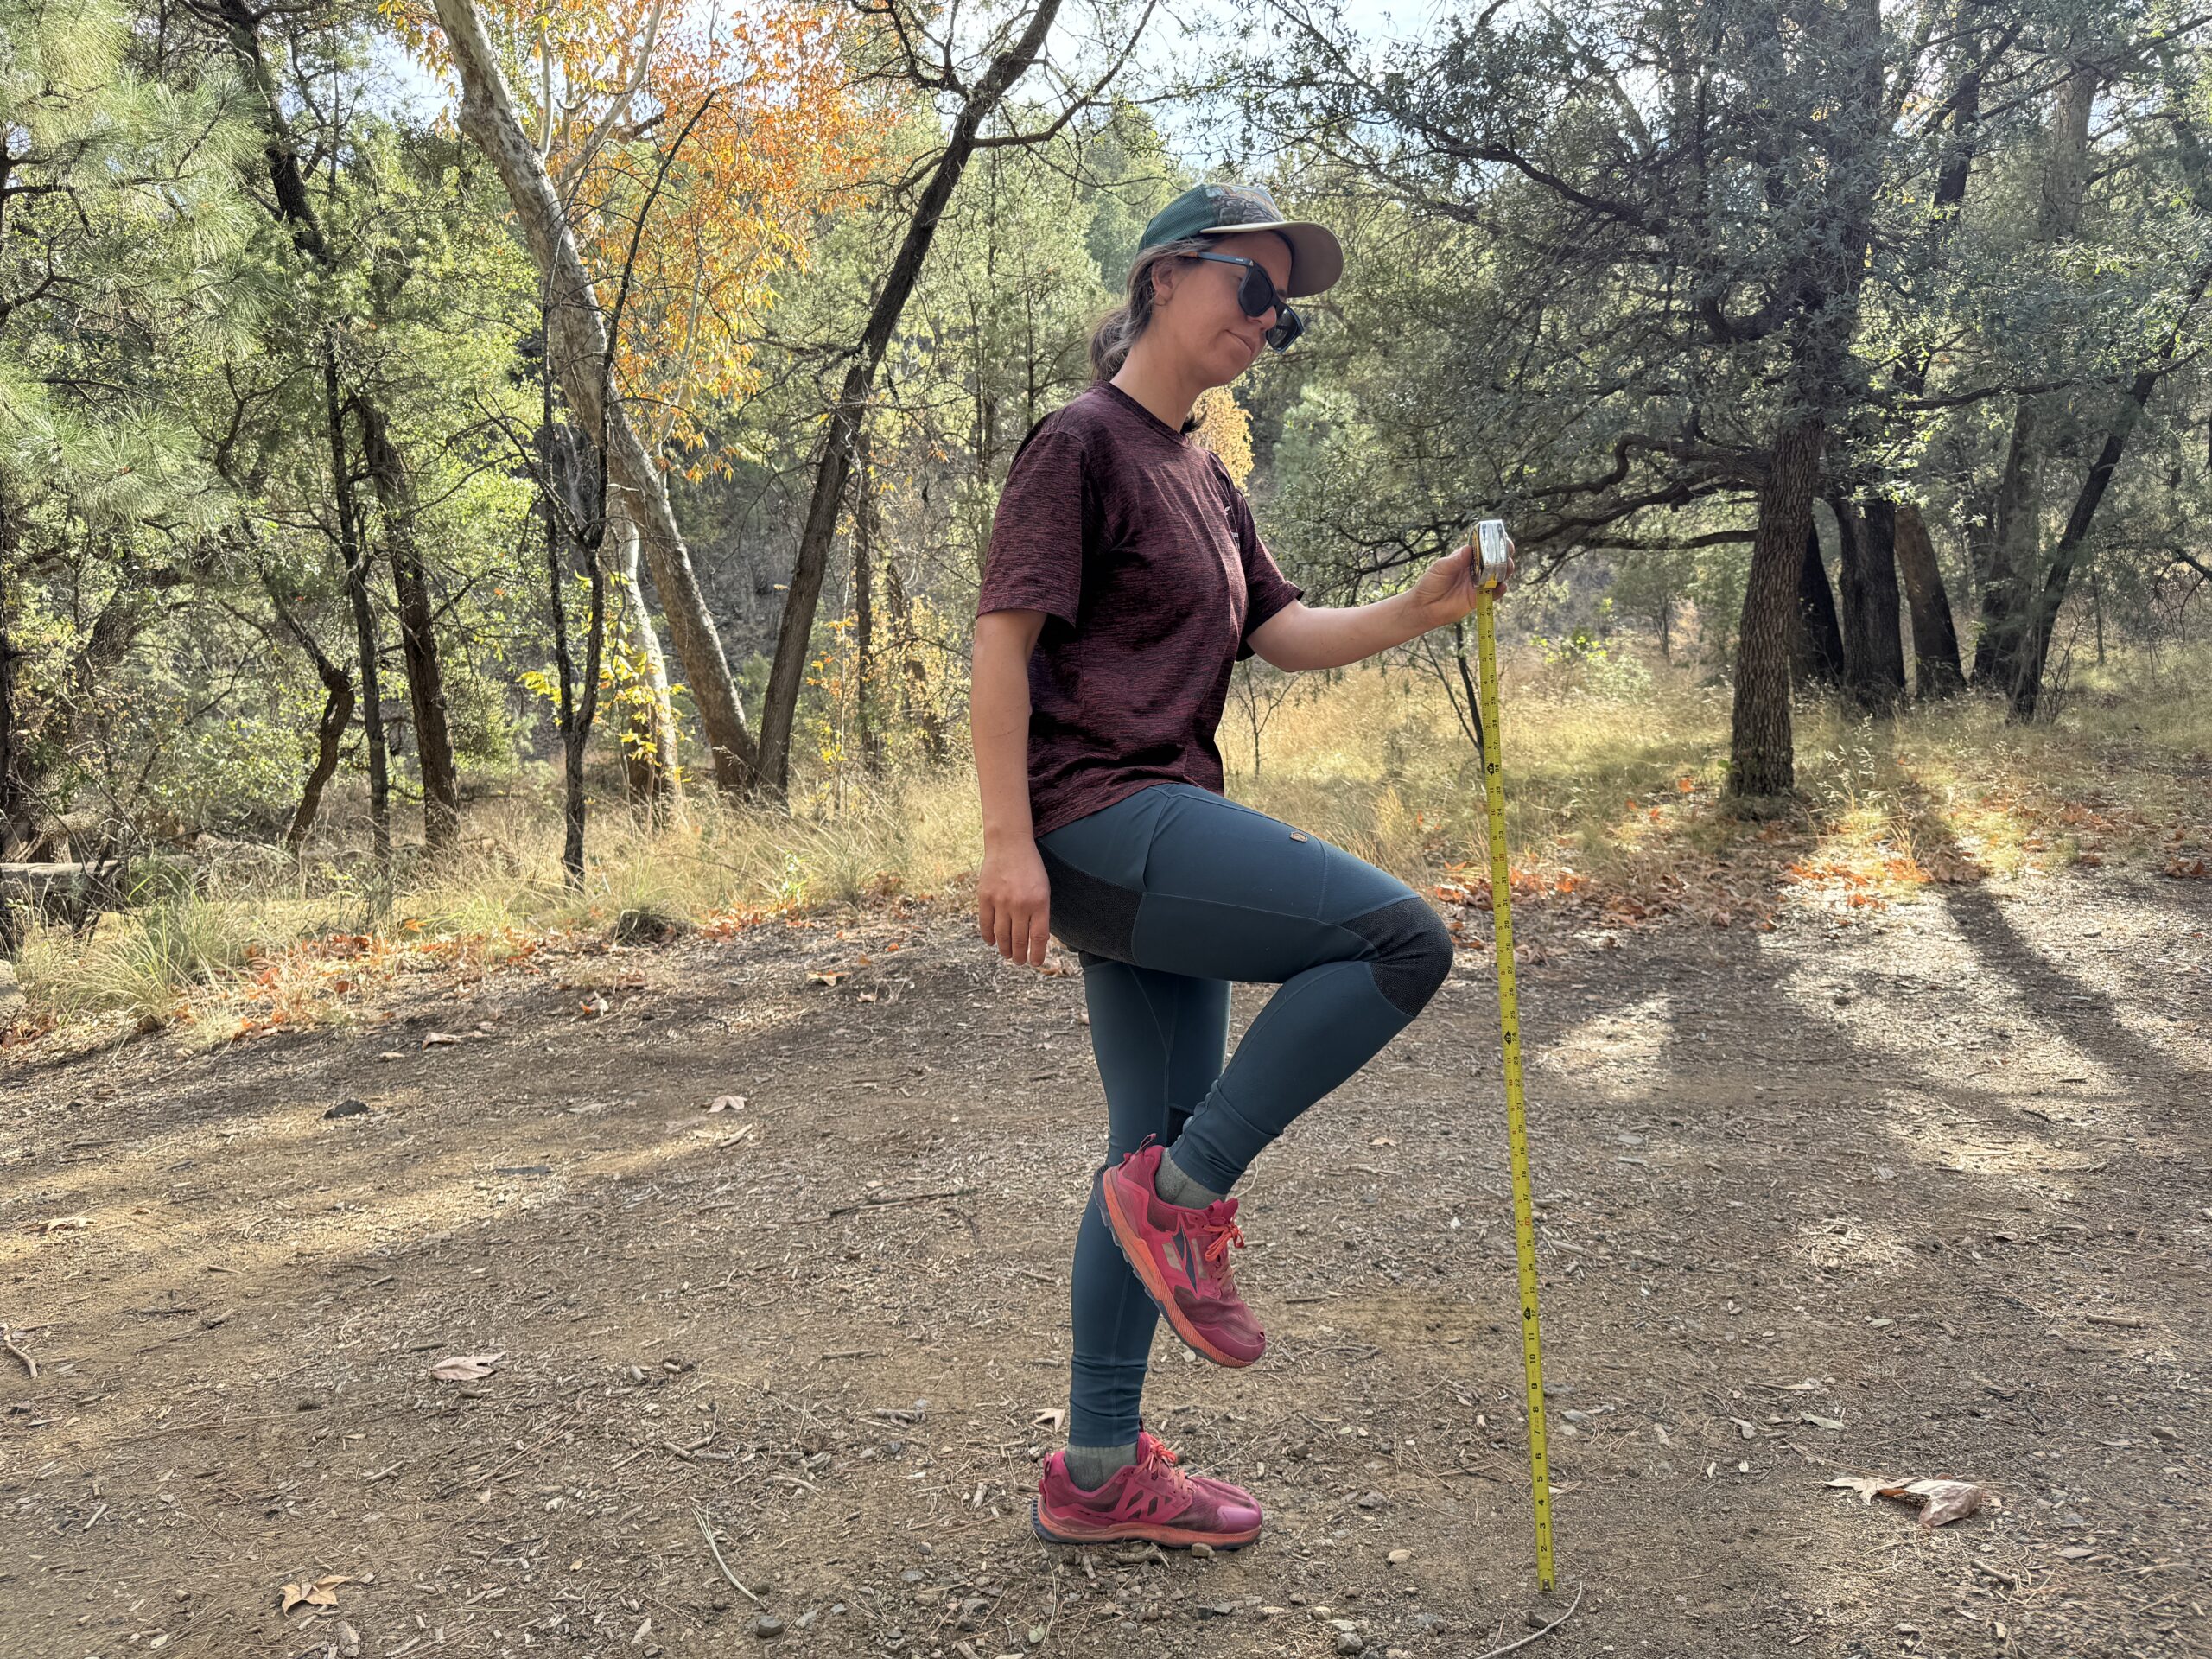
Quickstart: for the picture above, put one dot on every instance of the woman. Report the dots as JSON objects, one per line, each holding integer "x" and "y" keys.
{"x": 1124, "y": 578}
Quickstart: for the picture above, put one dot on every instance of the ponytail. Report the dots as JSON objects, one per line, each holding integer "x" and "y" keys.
{"x": 1120, "y": 328}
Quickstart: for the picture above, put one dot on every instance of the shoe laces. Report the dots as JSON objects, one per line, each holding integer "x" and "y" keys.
{"x": 1219, "y": 1235}
{"x": 1156, "y": 1461}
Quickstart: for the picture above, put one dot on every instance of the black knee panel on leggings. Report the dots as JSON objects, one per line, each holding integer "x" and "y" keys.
{"x": 1413, "y": 951}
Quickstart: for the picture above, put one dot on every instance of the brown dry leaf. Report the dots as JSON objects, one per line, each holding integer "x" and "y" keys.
{"x": 830, "y": 976}
{"x": 726, "y": 1103}
{"x": 592, "y": 1006}
{"x": 438, "y": 1039}
{"x": 1952, "y": 870}
{"x": 323, "y": 1592}
{"x": 66, "y": 1224}
{"x": 1942, "y": 1501}
{"x": 467, "y": 1368}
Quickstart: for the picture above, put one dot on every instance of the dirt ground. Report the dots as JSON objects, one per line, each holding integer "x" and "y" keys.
{"x": 1921, "y": 1192}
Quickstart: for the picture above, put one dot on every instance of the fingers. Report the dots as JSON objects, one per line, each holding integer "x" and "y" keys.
{"x": 1040, "y": 937}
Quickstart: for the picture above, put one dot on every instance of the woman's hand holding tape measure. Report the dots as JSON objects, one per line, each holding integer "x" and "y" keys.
{"x": 1446, "y": 589}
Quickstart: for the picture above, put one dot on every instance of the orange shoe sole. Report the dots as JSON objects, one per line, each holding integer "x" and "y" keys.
{"x": 1172, "y": 1537}
{"x": 1142, "y": 1264}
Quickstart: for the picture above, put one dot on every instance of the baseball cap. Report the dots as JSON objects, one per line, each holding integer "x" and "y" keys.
{"x": 1317, "y": 258}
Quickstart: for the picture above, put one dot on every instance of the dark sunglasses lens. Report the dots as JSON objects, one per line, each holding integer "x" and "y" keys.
{"x": 1256, "y": 292}
{"x": 1289, "y": 326}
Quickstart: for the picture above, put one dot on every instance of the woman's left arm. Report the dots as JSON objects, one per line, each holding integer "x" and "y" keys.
{"x": 1301, "y": 637}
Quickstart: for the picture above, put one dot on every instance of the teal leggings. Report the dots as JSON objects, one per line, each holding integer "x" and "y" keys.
{"x": 1166, "y": 897}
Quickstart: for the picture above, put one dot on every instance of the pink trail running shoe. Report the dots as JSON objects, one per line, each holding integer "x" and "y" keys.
{"x": 1181, "y": 1256}
{"x": 1151, "y": 1498}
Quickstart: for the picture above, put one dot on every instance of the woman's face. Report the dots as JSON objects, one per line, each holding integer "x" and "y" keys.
{"x": 1196, "y": 302}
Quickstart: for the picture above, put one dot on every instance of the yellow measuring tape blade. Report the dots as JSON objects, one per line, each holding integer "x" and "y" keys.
{"x": 1516, "y": 1112}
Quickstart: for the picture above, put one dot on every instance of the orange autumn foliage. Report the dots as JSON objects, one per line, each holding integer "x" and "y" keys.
{"x": 772, "y": 135}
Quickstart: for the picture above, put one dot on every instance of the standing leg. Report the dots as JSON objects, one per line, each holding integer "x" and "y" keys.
{"x": 1158, "y": 1038}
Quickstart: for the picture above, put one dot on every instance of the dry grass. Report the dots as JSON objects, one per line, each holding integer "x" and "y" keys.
{"x": 1612, "y": 799}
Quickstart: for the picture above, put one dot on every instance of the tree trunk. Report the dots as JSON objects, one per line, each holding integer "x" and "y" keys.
{"x": 869, "y": 735}
{"x": 2012, "y": 577}
{"x": 1816, "y": 649}
{"x": 577, "y": 339}
{"x": 418, "y": 639}
{"x": 2023, "y": 675}
{"x": 914, "y": 688}
{"x": 794, "y": 635}
{"x": 1936, "y": 670}
{"x": 13, "y": 791}
{"x": 2009, "y": 553}
{"x": 649, "y": 739}
{"x": 1874, "y": 652}
{"x": 1762, "y": 763}
{"x": 357, "y": 590}
{"x": 330, "y": 732}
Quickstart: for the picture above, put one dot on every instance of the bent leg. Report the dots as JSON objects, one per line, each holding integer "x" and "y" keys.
{"x": 1182, "y": 880}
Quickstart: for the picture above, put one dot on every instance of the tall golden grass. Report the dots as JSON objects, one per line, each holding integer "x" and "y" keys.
{"x": 1612, "y": 779}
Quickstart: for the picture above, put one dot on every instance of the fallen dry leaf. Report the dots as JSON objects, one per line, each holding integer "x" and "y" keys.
{"x": 67, "y": 1224}
{"x": 467, "y": 1368}
{"x": 439, "y": 1038}
{"x": 323, "y": 1592}
{"x": 726, "y": 1103}
{"x": 592, "y": 1006}
{"x": 1940, "y": 1501}
{"x": 1053, "y": 1419}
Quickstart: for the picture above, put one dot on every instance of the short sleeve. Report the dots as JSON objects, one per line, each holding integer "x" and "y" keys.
{"x": 1267, "y": 590}
{"x": 1044, "y": 521}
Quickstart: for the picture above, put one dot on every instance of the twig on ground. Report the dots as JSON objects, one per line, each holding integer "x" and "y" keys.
{"x": 707, "y": 1533}
{"x": 881, "y": 1202}
{"x": 1510, "y": 1647}
{"x": 29, "y": 1365}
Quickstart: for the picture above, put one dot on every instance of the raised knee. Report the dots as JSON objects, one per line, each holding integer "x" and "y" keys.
{"x": 1413, "y": 951}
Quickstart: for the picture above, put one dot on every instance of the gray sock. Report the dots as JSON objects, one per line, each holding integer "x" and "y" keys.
{"x": 1092, "y": 1467}
{"x": 1175, "y": 1187}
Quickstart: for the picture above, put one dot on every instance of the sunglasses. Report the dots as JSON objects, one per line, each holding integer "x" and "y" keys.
{"x": 1256, "y": 293}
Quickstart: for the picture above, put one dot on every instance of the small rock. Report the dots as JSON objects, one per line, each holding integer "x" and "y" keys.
{"x": 767, "y": 1625}
{"x": 2169, "y": 1436}
{"x": 1399, "y": 1557}
{"x": 806, "y": 1619}
{"x": 1534, "y": 1620}
{"x": 349, "y": 1641}
{"x": 1350, "y": 1642}
{"x": 1202, "y": 1552}
{"x": 349, "y": 1109}
{"x": 1216, "y": 1609}
{"x": 1373, "y": 1501}
{"x": 911, "y": 1575}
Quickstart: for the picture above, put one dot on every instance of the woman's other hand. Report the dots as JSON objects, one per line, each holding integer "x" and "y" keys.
{"x": 1446, "y": 589}
{"x": 1013, "y": 902}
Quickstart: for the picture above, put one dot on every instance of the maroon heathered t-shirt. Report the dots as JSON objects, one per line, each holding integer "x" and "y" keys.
{"x": 1143, "y": 555}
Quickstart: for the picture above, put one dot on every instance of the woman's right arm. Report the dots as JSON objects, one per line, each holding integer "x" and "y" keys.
{"x": 1012, "y": 899}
